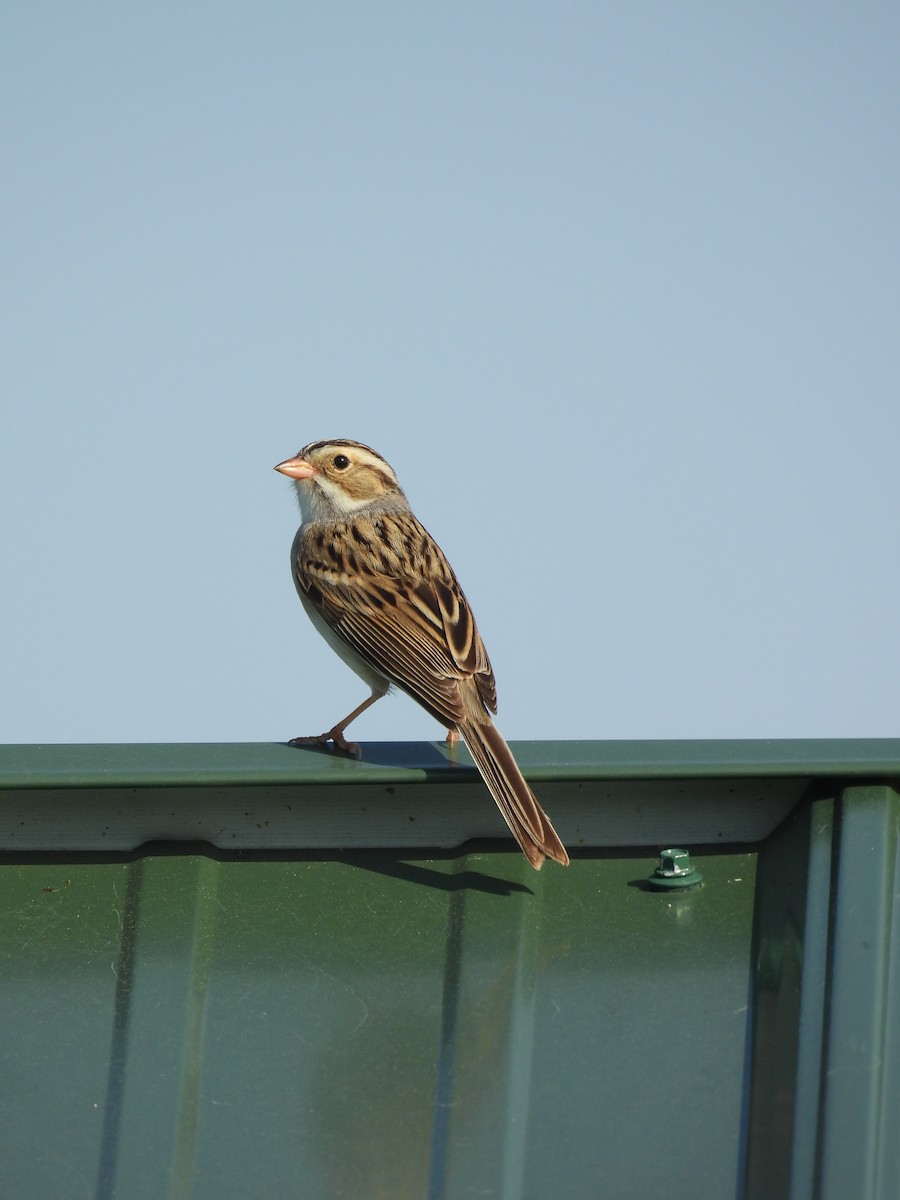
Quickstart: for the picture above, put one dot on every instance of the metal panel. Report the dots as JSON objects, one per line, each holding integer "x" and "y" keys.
{"x": 181, "y": 1020}
{"x": 272, "y": 796}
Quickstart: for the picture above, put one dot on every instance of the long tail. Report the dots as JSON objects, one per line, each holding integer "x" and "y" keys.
{"x": 526, "y": 819}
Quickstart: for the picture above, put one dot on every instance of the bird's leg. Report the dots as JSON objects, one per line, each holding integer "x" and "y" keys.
{"x": 452, "y": 737}
{"x": 336, "y": 734}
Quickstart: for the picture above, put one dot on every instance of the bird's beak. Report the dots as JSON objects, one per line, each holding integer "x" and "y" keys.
{"x": 297, "y": 468}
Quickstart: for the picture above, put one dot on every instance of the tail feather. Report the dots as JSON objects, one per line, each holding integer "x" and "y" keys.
{"x": 528, "y": 822}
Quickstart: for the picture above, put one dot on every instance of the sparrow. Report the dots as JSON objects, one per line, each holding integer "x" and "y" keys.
{"x": 380, "y": 591}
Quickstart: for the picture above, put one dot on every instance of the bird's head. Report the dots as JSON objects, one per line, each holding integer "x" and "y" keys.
{"x": 338, "y": 477}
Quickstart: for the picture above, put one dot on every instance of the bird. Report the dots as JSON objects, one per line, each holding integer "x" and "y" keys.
{"x": 381, "y": 592}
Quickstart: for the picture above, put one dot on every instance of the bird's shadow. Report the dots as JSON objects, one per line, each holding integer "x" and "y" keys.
{"x": 392, "y": 864}
{"x": 434, "y": 758}
{"x": 384, "y": 863}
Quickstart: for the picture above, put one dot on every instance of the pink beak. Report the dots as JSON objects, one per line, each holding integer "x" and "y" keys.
{"x": 297, "y": 468}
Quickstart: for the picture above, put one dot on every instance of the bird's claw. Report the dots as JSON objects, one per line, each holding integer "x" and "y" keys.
{"x": 333, "y": 735}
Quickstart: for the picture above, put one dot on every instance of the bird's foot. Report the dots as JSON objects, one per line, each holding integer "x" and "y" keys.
{"x": 336, "y": 736}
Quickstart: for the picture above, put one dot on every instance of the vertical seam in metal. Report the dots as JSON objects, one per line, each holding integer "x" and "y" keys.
{"x": 123, "y": 968}
{"x": 206, "y": 907}
{"x": 449, "y": 1033}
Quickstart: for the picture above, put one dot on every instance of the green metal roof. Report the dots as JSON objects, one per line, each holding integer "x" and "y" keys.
{"x": 211, "y": 763}
{"x": 233, "y": 971}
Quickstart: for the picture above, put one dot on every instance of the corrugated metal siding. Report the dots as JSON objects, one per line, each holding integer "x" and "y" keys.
{"x": 187, "y": 1021}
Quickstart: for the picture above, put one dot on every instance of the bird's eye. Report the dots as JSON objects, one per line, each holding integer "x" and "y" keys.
{"x": 341, "y": 461}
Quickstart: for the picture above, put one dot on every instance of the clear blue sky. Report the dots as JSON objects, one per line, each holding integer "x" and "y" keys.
{"x": 615, "y": 288}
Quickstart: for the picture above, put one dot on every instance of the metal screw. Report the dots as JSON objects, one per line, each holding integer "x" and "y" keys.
{"x": 675, "y": 870}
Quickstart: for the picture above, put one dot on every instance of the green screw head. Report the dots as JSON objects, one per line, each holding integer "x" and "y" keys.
{"x": 675, "y": 870}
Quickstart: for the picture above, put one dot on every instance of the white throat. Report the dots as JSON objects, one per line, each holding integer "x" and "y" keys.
{"x": 321, "y": 499}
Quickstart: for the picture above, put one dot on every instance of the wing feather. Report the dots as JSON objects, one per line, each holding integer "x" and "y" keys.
{"x": 404, "y": 612}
